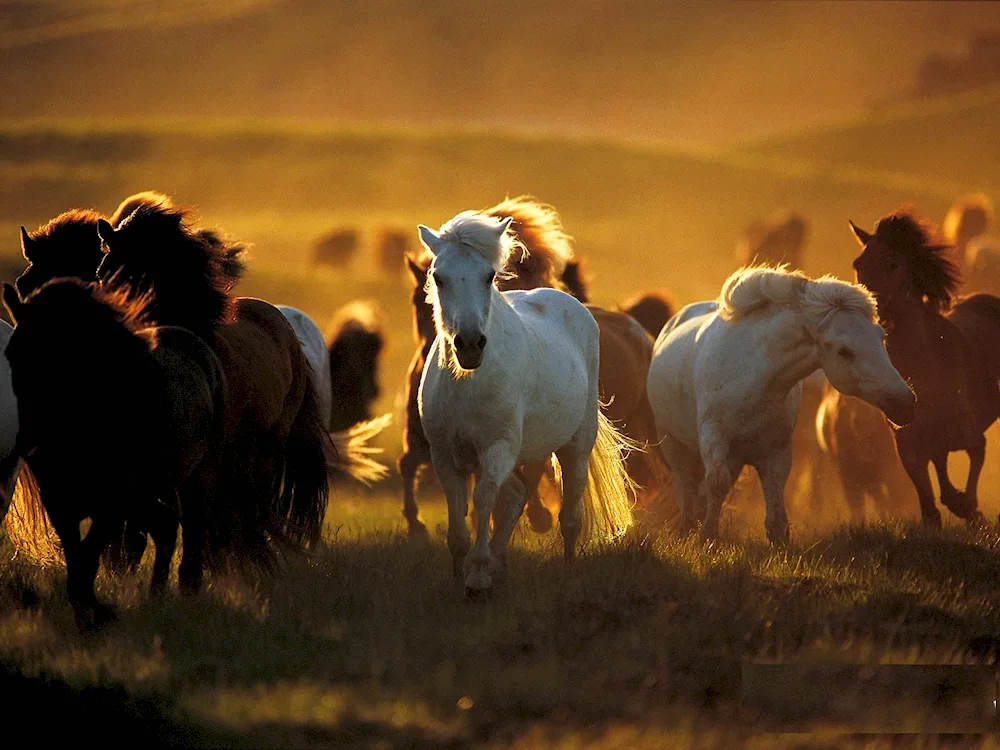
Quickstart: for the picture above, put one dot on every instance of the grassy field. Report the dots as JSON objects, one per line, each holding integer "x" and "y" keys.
{"x": 644, "y": 643}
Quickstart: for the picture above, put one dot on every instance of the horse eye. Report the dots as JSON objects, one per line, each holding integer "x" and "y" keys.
{"x": 846, "y": 354}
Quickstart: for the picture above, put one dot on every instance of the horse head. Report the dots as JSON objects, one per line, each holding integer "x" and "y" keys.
{"x": 468, "y": 252}
{"x": 852, "y": 353}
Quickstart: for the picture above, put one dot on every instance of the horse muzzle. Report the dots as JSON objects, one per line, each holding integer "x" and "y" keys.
{"x": 469, "y": 355}
{"x": 900, "y": 409}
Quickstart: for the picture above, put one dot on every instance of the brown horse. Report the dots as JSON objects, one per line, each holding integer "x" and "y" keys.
{"x": 625, "y": 355}
{"x": 274, "y": 466}
{"x": 948, "y": 349}
{"x": 859, "y": 440}
{"x": 778, "y": 239}
{"x": 652, "y": 309}
{"x": 354, "y": 340}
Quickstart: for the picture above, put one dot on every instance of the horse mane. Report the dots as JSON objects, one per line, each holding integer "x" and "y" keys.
{"x": 92, "y": 301}
{"x": 476, "y": 232}
{"x": 933, "y": 274}
{"x": 970, "y": 215}
{"x": 233, "y": 265}
{"x": 753, "y": 288}
{"x": 576, "y": 280}
{"x": 191, "y": 271}
{"x": 548, "y": 249}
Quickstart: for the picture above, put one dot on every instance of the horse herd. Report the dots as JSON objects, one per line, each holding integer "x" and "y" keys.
{"x": 546, "y": 402}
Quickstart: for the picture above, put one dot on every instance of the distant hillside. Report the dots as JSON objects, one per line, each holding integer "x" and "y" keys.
{"x": 642, "y": 216}
{"x": 950, "y": 139}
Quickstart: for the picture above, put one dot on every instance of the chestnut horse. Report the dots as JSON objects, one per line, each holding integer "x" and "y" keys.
{"x": 948, "y": 349}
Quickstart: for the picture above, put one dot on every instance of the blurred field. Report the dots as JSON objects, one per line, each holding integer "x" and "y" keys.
{"x": 368, "y": 645}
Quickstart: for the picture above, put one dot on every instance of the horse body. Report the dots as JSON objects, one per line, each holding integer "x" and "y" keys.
{"x": 10, "y": 461}
{"x": 725, "y": 382}
{"x": 949, "y": 350}
{"x": 169, "y": 386}
{"x": 652, "y": 309}
{"x": 314, "y": 347}
{"x": 511, "y": 378}
{"x": 354, "y": 341}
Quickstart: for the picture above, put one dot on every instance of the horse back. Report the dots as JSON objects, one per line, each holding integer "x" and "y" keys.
{"x": 977, "y": 317}
{"x": 264, "y": 367}
{"x": 626, "y": 351}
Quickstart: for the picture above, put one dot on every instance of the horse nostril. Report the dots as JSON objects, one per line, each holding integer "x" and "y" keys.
{"x": 482, "y": 342}
{"x": 459, "y": 344}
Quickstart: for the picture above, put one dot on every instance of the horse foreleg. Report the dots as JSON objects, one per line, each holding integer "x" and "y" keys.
{"x": 162, "y": 523}
{"x": 977, "y": 456}
{"x": 409, "y": 466}
{"x": 456, "y": 492}
{"x": 513, "y": 496}
{"x": 773, "y": 472}
{"x": 496, "y": 464}
{"x": 81, "y": 569}
{"x": 951, "y": 496}
{"x": 917, "y": 470}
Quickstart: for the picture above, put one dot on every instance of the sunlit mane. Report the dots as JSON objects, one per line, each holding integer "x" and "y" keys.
{"x": 539, "y": 229}
{"x": 755, "y": 287}
{"x": 475, "y": 231}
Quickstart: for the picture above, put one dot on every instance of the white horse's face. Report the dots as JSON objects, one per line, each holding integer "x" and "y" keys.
{"x": 463, "y": 284}
{"x": 852, "y": 353}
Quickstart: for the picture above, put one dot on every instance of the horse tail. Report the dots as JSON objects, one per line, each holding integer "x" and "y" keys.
{"x": 824, "y": 414}
{"x": 610, "y": 493}
{"x": 28, "y": 525}
{"x": 354, "y": 454}
{"x": 304, "y": 487}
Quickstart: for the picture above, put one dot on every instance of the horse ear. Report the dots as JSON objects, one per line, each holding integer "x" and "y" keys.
{"x": 27, "y": 244}
{"x": 862, "y": 236}
{"x": 418, "y": 273}
{"x": 429, "y": 237}
{"x": 504, "y": 225}
{"x": 105, "y": 231}
{"x": 12, "y": 301}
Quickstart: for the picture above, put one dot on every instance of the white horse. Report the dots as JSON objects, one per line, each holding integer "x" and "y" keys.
{"x": 725, "y": 382}
{"x": 314, "y": 347}
{"x": 511, "y": 378}
{"x": 10, "y": 464}
{"x": 352, "y": 444}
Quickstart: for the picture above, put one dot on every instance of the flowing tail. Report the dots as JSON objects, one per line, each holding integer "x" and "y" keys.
{"x": 610, "y": 493}
{"x": 304, "y": 489}
{"x": 28, "y": 525}
{"x": 354, "y": 456}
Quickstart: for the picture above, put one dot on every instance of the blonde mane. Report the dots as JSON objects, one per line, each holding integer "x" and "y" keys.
{"x": 540, "y": 230}
{"x": 753, "y": 288}
{"x": 476, "y": 232}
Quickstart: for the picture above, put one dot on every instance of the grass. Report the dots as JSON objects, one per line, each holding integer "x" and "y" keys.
{"x": 369, "y": 642}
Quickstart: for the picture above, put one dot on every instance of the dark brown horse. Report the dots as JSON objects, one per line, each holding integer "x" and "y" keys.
{"x": 354, "y": 340}
{"x": 652, "y": 309}
{"x": 948, "y": 349}
{"x": 119, "y": 422}
{"x": 276, "y": 445}
{"x": 626, "y": 350}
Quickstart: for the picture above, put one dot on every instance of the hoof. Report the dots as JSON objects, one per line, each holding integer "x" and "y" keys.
{"x": 961, "y": 505}
{"x": 540, "y": 519}
{"x": 417, "y": 532}
{"x": 478, "y": 580}
{"x": 931, "y": 520}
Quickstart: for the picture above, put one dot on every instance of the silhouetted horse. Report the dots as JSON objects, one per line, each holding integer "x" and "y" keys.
{"x": 336, "y": 248}
{"x": 948, "y": 349}
{"x": 354, "y": 340}
{"x": 652, "y": 309}
{"x": 277, "y": 447}
{"x": 118, "y": 422}
{"x": 780, "y": 238}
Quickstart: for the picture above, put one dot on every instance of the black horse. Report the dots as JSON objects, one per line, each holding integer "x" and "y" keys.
{"x": 118, "y": 422}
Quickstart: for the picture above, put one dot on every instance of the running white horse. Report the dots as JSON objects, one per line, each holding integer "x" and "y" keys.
{"x": 511, "y": 378}
{"x": 10, "y": 464}
{"x": 726, "y": 380}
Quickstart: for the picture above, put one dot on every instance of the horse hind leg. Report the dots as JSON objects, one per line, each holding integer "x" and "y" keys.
{"x": 721, "y": 472}
{"x": 773, "y": 473}
{"x": 917, "y": 469}
{"x": 162, "y": 524}
{"x": 539, "y": 516}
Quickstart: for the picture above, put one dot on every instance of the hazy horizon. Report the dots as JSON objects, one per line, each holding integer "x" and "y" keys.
{"x": 695, "y": 74}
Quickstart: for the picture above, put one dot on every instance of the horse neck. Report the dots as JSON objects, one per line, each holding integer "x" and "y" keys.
{"x": 791, "y": 354}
